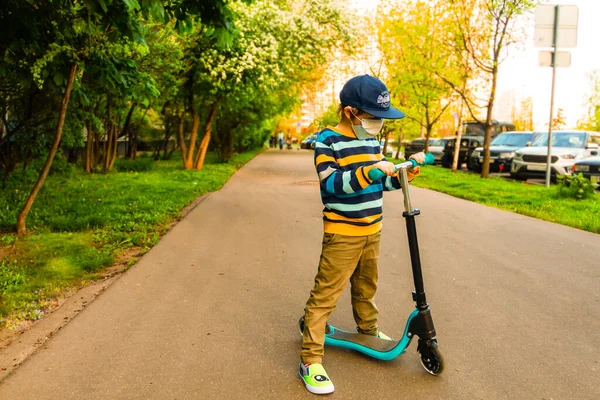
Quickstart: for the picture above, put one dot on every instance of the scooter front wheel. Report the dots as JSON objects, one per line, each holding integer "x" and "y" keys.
{"x": 431, "y": 357}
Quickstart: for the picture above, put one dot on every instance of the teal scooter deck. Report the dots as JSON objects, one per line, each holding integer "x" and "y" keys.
{"x": 372, "y": 346}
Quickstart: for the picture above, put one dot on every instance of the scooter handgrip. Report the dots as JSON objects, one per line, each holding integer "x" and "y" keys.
{"x": 376, "y": 174}
{"x": 429, "y": 159}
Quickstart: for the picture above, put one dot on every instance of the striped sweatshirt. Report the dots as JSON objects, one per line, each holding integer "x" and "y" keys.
{"x": 353, "y": 202}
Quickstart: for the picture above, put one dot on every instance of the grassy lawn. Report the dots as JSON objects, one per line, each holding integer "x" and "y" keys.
{"x": 520, "y": 197}
{"x": 81, "y": 223}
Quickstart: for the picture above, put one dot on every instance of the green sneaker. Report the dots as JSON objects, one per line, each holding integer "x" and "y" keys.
{"x": 383, "y": 336}
{"x": 315, "y": 378}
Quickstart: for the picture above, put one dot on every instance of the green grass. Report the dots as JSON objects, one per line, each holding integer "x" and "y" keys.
{"x": 520, "y": 197}
{"x": 81, "y": 223}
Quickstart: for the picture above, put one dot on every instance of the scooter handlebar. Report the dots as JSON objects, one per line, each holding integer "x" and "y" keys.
{"x": 376, "y": 173}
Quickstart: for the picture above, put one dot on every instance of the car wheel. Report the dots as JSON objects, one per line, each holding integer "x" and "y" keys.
{"x": 446, "y": 161}
{"x": 518, "y": 177}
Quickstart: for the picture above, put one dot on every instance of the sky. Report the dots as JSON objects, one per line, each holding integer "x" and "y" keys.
{"x": 520, "y": 75}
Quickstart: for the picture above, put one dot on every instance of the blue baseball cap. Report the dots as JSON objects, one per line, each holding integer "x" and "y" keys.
{"x": 370, "y": 95}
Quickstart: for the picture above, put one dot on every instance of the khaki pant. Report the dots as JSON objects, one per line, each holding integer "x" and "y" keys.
{"x": 343, "y": 258}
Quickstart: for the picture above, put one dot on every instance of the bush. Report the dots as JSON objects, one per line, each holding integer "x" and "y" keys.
{"x": 575, "y": 187}
{"x": 7, "y": 240}
{"x": 10, "y": 278}
{"x": 139, "y": 165}
{"x": 91, "y": 259}
{"x": 60, "y": 166}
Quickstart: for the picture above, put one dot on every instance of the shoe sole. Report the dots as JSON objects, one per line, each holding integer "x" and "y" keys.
{"x": 316, "y": 390}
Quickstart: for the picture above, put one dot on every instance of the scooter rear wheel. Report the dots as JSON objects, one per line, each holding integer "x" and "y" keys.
{"x": 431, "y": 357}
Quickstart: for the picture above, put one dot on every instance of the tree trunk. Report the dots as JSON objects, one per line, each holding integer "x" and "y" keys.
{"x": 124, "y": 131}
{"x": 96, "y": 150}
{"x": 22, "y": 217}
{"x": 399, "y": 145}
{"x": 485, "y": 170}
{"x": 456, "y": 150}
{"x": 165, "y": 145}
{"x": 385, "y": 143}
{"x": 113, "y": 156}
{"x": 108, "y": 148}
{"x": 88, "y": 147}
{"x": 180, "y": 137}
{"x": 428, "y": 130}
{"x": 188, "y": 159}
{"x": 206, "y": 139}
{"x": 226, "y": 147}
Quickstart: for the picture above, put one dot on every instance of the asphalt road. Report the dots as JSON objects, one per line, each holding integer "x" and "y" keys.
{"x": 211, "y": 311}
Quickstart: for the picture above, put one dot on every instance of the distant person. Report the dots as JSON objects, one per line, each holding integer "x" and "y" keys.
{"x": 273, "y": 141}
{"x": 281, "y": 139}
{"x": 352, "y": 219}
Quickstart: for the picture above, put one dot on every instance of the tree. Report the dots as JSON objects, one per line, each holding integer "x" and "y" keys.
{"x": 47, "y": 43}
{"x": 485, "y": 29}
{"x": 260, "y": 75}
{"x": 413, "y": 38}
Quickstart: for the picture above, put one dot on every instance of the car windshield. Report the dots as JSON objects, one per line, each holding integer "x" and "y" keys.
{"x": 563, "y": 139}
{"x": 511, "y": 139}
{"x": 436, "y": 142}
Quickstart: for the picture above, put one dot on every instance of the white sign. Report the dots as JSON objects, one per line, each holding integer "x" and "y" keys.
{"x": 568, "y": 17}
{"x": 563, "y": 59}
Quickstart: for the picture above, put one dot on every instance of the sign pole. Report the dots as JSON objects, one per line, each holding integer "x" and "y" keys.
{"x": 555, "y": 43}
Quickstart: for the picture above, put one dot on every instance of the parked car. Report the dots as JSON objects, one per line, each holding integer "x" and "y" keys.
{"x": 473, "y": 137}
{"x": 590, "y": 168}
{"x": 502, "y": 150}
{"x": 436, "y": 147}
{"x": 306, "y": 143}
{"x": 568, "y": 147}
{"x": 468, "y": 144}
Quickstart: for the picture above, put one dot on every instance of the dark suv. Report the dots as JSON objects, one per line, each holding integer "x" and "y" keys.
{"x": 467, "y": 145}
{"x": 502, "y": 151}
{"x": 473, "y": 137}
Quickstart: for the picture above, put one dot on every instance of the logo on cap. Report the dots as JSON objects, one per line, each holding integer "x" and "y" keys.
{"x": 384, "y": 99}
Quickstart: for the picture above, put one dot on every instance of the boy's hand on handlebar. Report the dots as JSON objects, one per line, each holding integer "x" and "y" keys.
{"x": 386, "y": 167}
{"x": 420, "y": 159}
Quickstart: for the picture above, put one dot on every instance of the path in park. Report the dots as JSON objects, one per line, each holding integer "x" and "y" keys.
{"x": 211, "y": 311}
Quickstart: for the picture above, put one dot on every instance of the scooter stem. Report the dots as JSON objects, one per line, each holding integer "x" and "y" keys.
{"x": 413, "y": 244}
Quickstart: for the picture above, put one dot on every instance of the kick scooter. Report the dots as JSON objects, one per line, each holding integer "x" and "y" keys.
{"x": 420, "y": 322}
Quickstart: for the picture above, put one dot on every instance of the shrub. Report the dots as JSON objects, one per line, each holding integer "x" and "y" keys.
{"x": 90, "y": 259}
{"x": 575, "y": 187}
{"x": 8, "y": 239}
{"x": 139, "y": 165}
{"x": 10, "y": 278}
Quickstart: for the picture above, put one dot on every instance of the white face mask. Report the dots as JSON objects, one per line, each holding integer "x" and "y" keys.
{"x": 368, "y": 128}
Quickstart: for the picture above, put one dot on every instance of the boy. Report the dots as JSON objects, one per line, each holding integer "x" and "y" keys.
{"x": 352, "y": 217}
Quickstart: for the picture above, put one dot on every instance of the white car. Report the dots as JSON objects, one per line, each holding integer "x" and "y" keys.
{"x": 568, "y": 147}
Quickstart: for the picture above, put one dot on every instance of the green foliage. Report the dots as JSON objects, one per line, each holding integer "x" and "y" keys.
{"x": 7, "y": 240}
{"x": 414, "y": 38}
{"x": 330, "y": 117}
{"x": 91, "y": 259}
{"x": 575, "y": 186}
{"x": 139, "y": 165}
{"x": 259, "y": 76}
{"x": 10, "y": 277}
